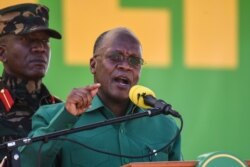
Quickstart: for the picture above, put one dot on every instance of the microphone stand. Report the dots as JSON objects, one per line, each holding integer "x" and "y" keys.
{"x": 13, "y": 159}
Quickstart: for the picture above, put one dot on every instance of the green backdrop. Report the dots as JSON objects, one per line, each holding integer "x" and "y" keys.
{"x": 214, "y": 103}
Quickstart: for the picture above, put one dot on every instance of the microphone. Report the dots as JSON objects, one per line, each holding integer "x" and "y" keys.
{"x": 145, "y": 98}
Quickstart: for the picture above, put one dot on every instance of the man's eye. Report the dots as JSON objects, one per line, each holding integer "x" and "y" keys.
{"x": 22, "y": 38}
{"x": 115, "y": 57}
{"x": 135, "y": 61}
{"x": 45, "y": 40}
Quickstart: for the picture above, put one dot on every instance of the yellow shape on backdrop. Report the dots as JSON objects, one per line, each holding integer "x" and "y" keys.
{"x": 5, "y": 3}
{"x": 210, "y": 30}
{"x": 211, "y": 34}
{"x": 84, "y": 20}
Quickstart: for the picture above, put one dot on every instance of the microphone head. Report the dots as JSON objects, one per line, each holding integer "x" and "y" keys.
{"x": 137, "y": 93}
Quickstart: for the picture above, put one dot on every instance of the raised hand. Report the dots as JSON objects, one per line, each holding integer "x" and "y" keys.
{"x": 79, "y": 100}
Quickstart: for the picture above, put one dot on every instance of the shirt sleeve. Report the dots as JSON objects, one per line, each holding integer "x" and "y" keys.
{"x": 48, "y": 119}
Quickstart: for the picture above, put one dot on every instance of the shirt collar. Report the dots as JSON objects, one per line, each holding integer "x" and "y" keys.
{"x": 97, "y": 103}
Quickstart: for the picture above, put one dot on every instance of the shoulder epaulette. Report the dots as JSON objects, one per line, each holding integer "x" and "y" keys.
{"x": 6, "y": 99}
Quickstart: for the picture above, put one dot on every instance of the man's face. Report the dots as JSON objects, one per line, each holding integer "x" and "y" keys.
{"x": 116, "y": 66}
{"x": 26, "y": 56}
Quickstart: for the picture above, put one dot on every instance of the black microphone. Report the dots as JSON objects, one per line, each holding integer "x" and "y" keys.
{"x": 145, "y": 98}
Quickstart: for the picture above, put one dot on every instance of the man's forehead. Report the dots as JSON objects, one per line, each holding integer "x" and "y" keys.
{"x": 120, "y": 35}
{"x": 120, "y": 40}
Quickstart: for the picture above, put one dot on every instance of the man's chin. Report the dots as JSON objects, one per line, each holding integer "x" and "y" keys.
{"x": 120, "y": 96}
{"x": 36, "y": 76}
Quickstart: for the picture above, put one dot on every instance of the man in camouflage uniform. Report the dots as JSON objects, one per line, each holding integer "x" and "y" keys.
{"x": 25, "y": 54}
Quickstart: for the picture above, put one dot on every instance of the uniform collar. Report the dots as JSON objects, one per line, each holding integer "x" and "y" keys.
{"x": 15, "y": 83}
{"x": 24, "y": 89}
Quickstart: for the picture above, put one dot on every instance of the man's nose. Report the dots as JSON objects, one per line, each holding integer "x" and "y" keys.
{"x": 124, "y": 64}
{"x": 39, "y": 46}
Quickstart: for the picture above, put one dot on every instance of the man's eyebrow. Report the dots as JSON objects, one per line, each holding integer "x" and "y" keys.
{"x": 119, "y": 51}
{"x": 114, "y": 52}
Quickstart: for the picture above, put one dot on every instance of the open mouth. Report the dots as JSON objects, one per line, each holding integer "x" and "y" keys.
{"x": 122, "y": 80}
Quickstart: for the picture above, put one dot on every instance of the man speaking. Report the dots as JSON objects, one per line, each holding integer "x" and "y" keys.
{"x": 116, "y": 65}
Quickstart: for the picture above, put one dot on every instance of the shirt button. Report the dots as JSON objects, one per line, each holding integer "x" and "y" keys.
{"x": 126, "y": 161}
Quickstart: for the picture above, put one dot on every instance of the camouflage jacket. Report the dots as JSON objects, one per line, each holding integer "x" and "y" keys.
{"x": 17, "y": 105}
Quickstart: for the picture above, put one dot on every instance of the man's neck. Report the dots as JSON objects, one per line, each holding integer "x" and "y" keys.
{"x": 119, "y": 108}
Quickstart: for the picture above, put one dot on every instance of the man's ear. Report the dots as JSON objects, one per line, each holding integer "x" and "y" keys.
{"x": 2, "y": 54}
{"x": 93, "y": 65}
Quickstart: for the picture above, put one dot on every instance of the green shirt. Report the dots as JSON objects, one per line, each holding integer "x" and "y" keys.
{"x": 134, "y": 138}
